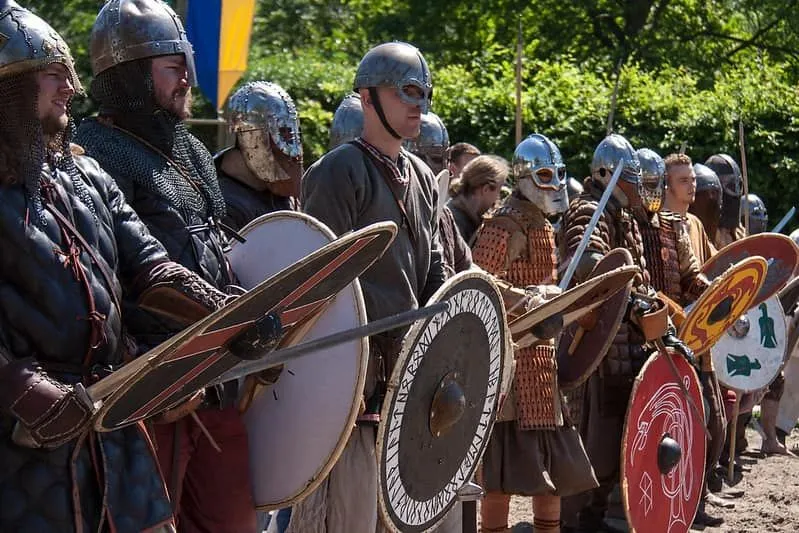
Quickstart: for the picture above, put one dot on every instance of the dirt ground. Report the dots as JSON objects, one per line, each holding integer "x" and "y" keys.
{"x": 770, "y": 502}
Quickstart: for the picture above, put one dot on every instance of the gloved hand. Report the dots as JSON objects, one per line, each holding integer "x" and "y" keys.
{"x": 258, "y": 339}
{"x": 49, "y": 413}
{"x": 671, "y": 340}
{"x": 538, "y": 294}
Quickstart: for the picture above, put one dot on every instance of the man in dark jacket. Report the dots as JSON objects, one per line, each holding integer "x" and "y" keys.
{"x": 70, "y": 247}
{"x": 143, "y": 70}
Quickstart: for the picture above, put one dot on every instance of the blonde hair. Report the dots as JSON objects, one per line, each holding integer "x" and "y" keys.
{"x": 482, "y": 170}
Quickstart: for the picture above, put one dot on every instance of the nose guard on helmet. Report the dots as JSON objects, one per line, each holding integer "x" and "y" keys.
{"x": 541, "y": 174}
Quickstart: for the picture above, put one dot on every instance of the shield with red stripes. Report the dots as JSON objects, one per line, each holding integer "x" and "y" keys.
{"x": 176, "y": 369}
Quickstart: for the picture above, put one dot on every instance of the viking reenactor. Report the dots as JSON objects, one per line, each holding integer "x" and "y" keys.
{"x": 675, "y": 271}
{"x": 730, "y": 228}
{"x": 694, "y": 188}
{"x": 347, "y": 122}
{"x": 261, "y": 172}
{"x": 608, "y": 390}
{"x": 573, "y": 188}
{"x": 458, "y": 155}
{"x": 431, "y": 146}
{"x": 670, "y": 259}
{"x": 143, "y": 70}
{"x": 71, "y": 246}
{"x": 368, "y": 180}
{"x": 539, "y": 453}
{"x": 476, "y": 191}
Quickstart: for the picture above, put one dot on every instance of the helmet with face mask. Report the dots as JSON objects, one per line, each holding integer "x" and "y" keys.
{"x": 540, "y": 174}
{"x": 432, "y": 143}
{"x": 398, "y": 65}
{"x": 608, "y": 153}
{"x": 653, "y": 179}
{"x": 729, "y": 174}
{"x": 265, "y": 121}
{"x": 347, "y": 121}
{"x": 758, "y": 215}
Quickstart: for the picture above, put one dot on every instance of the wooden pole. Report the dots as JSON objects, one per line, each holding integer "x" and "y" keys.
{"x": 733, "y": 430}
{"x": 744, "y": 174}
{"x": 519, "y": 84}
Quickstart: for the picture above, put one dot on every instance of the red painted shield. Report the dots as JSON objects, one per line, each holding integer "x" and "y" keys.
{"x": 174, "y": 370}
{"x": 657, "y": 497}
{"x": 779, "y": 250}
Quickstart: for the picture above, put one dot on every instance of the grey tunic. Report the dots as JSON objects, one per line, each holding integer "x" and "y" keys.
{"x": 345, "y": 190}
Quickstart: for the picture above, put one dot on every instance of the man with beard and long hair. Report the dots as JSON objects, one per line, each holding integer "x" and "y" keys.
{"x": 71, "y": 247}
{"x": 143, "y": 70}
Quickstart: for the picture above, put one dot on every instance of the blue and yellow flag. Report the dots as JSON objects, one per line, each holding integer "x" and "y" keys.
{"x": 220, "y": 32}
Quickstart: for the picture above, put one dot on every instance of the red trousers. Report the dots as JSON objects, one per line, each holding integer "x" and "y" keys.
{"x": 211, "y": 489}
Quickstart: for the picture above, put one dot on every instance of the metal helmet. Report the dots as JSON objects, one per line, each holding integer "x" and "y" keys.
{"x": 432, "y": 143}
{"x": 758, "y": 215}
{"x": 653, "y": 179}
{"x": 607, "y": 154}
{"x": 262, "y": 115}
{"x": 347, "y": 121}
{"x": 573, "y": 188}
{"x": 729, "y": 174}
{"x": 126, "y": 30}
{"x": 706, "y": 179}
{"x": 541, "y": 174}
{"x": 398, "y": 65}
{"x": 28, "y": 43}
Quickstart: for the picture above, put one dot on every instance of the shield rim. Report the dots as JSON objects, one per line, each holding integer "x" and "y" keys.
{"x": 765, "y": 241}
{"x": 322, "y": 473}
{"x": 408, "y": 342}
{"x": 690, "y": 318}
{"x": 624, "y": 485}
{"x": 134, "y": 371}
{"x": 714, "y": 350}
{"x": 566, "y": 300}
{"x": 567, "y": 386}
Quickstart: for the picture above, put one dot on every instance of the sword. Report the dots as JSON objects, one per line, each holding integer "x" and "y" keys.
{"x": 603, "y": 201}
{"x": 279, "y": 357}
{"x": 784, "y": 220}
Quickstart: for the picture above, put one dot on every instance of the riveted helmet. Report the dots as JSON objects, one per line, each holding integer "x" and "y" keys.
{"x": 729, "y": 174}
{"x": 758, "y": 215}
{"x": 653, "y": 179}
{"x": 432, "y": 143}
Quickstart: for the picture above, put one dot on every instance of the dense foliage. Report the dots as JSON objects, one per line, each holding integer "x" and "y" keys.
{"x": 689, "y": 71}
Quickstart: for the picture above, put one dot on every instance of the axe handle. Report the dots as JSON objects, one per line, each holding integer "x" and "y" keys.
{"x": 662, "y": 349}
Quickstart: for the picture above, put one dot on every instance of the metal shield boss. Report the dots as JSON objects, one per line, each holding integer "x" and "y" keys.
{"x": 663, "y": 447}
{"x": 571, "y": 304}
{"x": 441, "y": 403}
{"x": 751, "y": 353}
{"x": 582, "y": 347}
{"x": 315, "y": 400}
{"x": 175, "y": 369}
{"x": 779, "y": 250}
{"x": 728, "y": 297}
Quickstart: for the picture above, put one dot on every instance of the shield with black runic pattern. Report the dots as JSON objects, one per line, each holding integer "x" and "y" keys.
{"x": 441, "y": 403}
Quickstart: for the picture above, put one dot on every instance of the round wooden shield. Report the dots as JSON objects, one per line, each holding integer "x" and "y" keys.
{"x": 441, "y": 404}
{"x": 577, "y": 359}
{"x": 572, "y": 304}
{"x": 751, "y": 353}
{"x": 661, "y": 490}
{"x": 298, "y": 427}
{"x": 779, "y": 250}
{"x": 190, "y": 360}
{"x": 727, "y": 298}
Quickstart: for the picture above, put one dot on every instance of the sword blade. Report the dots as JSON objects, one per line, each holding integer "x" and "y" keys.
{"x": 603, "y": 201}
{"x": 279, "y": 357}
{"x": 784, "y": 220}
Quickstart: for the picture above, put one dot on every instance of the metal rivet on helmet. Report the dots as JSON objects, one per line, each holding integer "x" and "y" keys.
{"x": 399, "y": 65}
